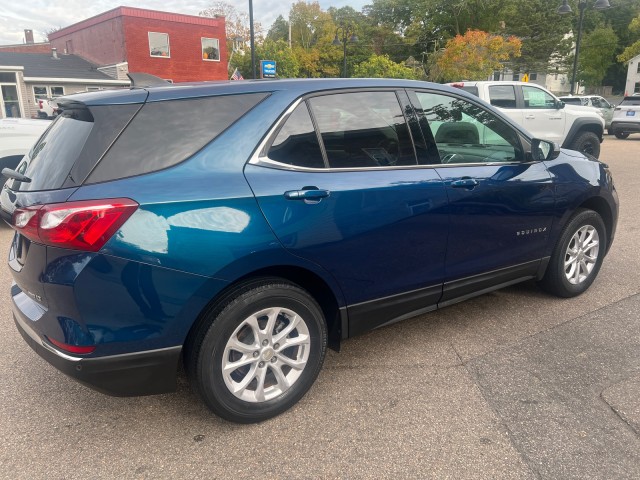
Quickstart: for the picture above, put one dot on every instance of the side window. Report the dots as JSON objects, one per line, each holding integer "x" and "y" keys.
{"x": 537, "y": 98}
{"x": 363, "y": 129}
{"x": 297, "y": 142}
{"x": 165, "y": 133}
{"x": 503, "y": 96}
{"x": 467, "y": 133}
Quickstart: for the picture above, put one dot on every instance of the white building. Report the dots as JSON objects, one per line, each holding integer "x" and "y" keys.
{"x": 633, "y": 76}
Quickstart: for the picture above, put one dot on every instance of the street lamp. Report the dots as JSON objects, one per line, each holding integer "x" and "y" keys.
{"x": 565, "y": 9}
{"x": 252, "y": 40}
{"x": 348, "y": 35}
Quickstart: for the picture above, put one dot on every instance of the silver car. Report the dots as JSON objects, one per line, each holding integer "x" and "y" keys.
{"x": 626, "y": 117}
{"x": 595, "y": 101}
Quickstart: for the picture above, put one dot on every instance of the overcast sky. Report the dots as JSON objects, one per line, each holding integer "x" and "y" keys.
{"x": 43, "y": 15}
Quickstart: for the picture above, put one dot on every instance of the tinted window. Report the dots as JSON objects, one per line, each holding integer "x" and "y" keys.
{"x": 537, "y": 98}
{"x": 503, "y": 96}
{"x": 467, "y": 133}
{"x": 51, "y": 158}
{"x": 571, "y": 100}
{"x": 297, "y": 142}
{"x": 165, "y": 133}
{"x": 363, "y": 129}
{"x": 471, "y": 90}
{"x": 627, "y": 101}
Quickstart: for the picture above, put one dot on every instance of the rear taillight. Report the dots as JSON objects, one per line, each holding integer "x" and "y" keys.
{"x": 85, "y": 225}
{"x": 82, "y": 350}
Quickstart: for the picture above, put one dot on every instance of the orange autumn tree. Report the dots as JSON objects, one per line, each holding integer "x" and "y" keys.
{"x": 475, "y": 55}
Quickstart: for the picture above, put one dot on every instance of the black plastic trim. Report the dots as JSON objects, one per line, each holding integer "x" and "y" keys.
{"x": 132, "y": 374}
{"x": 383, "y": 311}
{"x": 577, "y": 126}
{"x": 469, "y": 287}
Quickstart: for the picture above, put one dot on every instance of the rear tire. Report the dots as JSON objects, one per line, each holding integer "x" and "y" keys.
{"x": 577, "y": 257}
{"x": 587, "y": 143}
{"x": 621, "y": 135}
{"x": 258, "y": 354}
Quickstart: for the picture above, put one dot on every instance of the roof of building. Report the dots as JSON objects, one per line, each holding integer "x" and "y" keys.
{"x": 44, "y": 65}
{"x": 140, "y": 13}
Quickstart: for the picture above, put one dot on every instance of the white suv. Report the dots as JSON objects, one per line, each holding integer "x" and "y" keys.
{"x": 626, "y": 117}
{"x": 540, "y": 112}
{"x": 17, "y": 136}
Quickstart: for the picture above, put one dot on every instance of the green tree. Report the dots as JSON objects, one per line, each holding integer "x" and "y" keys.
{"x": 597, "y": 55}
{"x": 287, "y": 63}
{"x": 279, "y": 30}
{"x": 633, "y": 49}
{"x": 381, "y": 66}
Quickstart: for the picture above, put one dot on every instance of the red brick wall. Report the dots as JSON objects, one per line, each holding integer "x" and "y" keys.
{"x": 27, "y": 48}
{"x": 186, "y": 63}
{"x": 102, "y": 43}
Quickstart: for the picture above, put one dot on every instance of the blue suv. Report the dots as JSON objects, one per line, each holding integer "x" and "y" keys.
{"x": 241, "y": 228}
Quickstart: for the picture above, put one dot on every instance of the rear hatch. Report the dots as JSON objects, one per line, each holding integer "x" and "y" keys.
{"x": 56, "y": 166}
{"x": 628, "y": 110}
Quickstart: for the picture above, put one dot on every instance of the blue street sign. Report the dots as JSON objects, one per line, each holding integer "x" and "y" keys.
{"x": 267, "y": 68}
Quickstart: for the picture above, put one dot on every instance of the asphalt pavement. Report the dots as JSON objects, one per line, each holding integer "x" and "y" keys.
{"x": 513, "y": 384}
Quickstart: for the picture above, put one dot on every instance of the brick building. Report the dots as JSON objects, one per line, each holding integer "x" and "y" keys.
{"x": 172, "y": 46}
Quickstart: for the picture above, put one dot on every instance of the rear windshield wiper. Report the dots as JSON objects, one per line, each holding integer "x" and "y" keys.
{"x": 7, "y": 172}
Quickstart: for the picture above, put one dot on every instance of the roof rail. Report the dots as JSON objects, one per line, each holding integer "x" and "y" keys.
{"x": 142, "y": 80}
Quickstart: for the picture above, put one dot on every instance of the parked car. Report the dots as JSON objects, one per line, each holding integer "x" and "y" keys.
{"x": 626, "y": 117}
{"x": 594, "y": 101}
{"x": 542, "y": 113}
{"x": 47, "y": 108}
{"x": 243, "y": 227}
{"x": 17, "y": 136}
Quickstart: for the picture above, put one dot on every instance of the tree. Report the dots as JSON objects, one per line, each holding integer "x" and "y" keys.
{"x": 310, "y": 25}
{"x": 633, "y": 49}
{"x": 236, "y": 23}
{"x": 381, "y": 66}
{"x": 279, "y": 30}
{"x": 597, "y": 55}
{"x": 475, "y": 55}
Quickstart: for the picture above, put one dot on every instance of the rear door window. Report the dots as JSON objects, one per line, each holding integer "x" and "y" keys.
{"x": 297, "y": 143}
{"x": 503, "y": 96}
{"x": 363, "y": 129}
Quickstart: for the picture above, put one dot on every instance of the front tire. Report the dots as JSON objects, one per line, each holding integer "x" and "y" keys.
{"x": 587, "y": 143}
{"x": 577, "y": 257}
{"x": 260, "y": 352}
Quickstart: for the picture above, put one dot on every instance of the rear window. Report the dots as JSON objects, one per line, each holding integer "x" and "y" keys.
{"x": 51, "y": 158}
{"x": 630, "y": 101}
{"x": 165, "y": 133}
{"x": 72, "y": 145}
{"x": 470, "y": 89}
{"x": 571, "y": 101}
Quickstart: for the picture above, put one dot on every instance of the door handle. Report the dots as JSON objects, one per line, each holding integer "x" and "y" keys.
{"x": 468, "y": 183}
{"x": 530, "y": 116}
{"x": 307, "y": 194}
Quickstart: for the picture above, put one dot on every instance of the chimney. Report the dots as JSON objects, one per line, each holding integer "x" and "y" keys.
{"x": 54, "y": 53}
{"x": 28, "y": 36}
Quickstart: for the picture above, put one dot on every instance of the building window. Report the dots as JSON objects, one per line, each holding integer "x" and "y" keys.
{"x": 159, "y": 44}
{"x": 496, "y": 76}
{"x": 211, "y": 49}
{"x": 637, "y": 88}
{"x": 516, "y": 77}
{"x": 47, "y": 91}
{"x": 638, "y": 69}
{"x": 533, "y": 76}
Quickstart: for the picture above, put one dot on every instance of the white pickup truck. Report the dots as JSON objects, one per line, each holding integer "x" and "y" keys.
{"x": 542, "y": 114}
{"x": 17, "y": 136}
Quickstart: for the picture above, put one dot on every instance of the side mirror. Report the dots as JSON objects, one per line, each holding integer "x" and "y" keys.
{"x": 559, "y": 104}
{"x": 544, "y": 150}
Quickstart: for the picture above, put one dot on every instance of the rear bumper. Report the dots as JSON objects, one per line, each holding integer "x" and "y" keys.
{"x": 625, "y": 127}
{"x": 131, "y": 374}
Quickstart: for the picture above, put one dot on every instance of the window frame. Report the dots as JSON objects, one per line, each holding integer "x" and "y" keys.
{"x": 261, "y": 157}
{"x": 524, "y": 98}
{"x": 202, "y": 39}
{"x": 168, "y": 45}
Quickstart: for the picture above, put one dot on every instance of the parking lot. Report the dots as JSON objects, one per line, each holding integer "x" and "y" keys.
{"x": 512, "y": 384}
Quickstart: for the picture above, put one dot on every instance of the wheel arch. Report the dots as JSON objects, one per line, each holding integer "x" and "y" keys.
{"x": 602, "y": 208}
{"x": 318, "y": 288}
{"x": 579, "y": 126}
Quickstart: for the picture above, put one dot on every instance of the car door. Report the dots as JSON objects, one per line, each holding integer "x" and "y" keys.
{"x": 500, "y": 204}
{"x": 339, "y": 183}
{"x": 541, "y": 115}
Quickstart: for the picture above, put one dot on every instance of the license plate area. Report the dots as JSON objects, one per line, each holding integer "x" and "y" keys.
{"x": 631, "y": 113}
